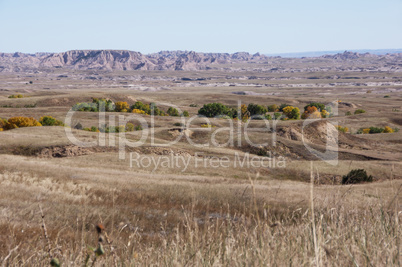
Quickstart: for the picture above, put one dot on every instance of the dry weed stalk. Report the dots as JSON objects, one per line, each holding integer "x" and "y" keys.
{"x": 53, "y": 261}
{"x": 316, "y": 248}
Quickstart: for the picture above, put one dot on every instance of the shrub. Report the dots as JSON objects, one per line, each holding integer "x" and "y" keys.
{"x": 91, "y": 107}
{"x": 292, "y": 112}
{"x": 172, "y": 112}
{"x": 256, "y": 109}
{"x": 141, "y": 106}
{"x": 162, "y": 113}
{"x": 374, "y": 130}
{"x": 214, "y": 109}
{"x": 129, "y": 127}
{"x": 3, "y": 123}
{"x": 258, "y": 117}
{"x": 193, "y": 105}
{"x": 122, "y": 106}
{"x": 207, "y": 125}
{"x": 138, "y": 127}
{"x": 268, "y": 117}
{"x": 50, "y": 121}
{"x": 19, "y": 122}
{"x": 273, "y": 108}
{"x": 94, "y": 129}
{"x": 185, "y": 114}
{"x": 155, "y": 110}
{"x": 324, "y": 114}
{"x": 388, "y": 129}
{"x": 277, "y": 115}
{"x": 103, "y": 104}
{"x": 356, "y": 176}
{"x": 342, "y": 129}
{"x": 138, "y": 111}
{"x": 366, "y": 131}
{"x": 386, "y": 96}
{"x": 359, "y": 111}
{"x": 311, "y": 112}
{"x": 78, "y": 126}
{"x": 282, "y": 106}
{"x": 348, "y": 113}
{"x": 16, "y": 96}
{"x": 245, "y": 114}
{"x": 30, "y": 106}
{"x": 113, "y": 129}
{"x": 178, "y": 124}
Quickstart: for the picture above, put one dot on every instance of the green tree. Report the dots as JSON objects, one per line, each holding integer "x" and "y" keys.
{"x": 359, "y": 111}
{"x": 50, "y": 121}
{"x": 129, "y": 127}
{"x": 214, "y": 109}
{"x": 172, "y": 112}
{"x": 256, "y": 109}
{"x": 273, "y": 108}
{"x": 141, "y": 106}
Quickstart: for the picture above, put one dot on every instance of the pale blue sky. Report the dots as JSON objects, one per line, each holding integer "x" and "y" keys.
{"x": 205, "y": 26}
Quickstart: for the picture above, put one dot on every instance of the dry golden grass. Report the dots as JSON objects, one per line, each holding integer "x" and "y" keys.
{"x": 184, "y": 220}
{"x": 202, "y": 216}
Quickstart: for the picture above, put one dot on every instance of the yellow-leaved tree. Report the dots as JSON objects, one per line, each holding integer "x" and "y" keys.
{"x": 292, "y": 112}
{"x": 122, "y": 106}
{"x": 245, "y": 114}
{"x": 19, "y": 122}
{"x": 388, "y": 129}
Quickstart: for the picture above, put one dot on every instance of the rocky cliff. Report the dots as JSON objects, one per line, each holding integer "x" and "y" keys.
{"x": 164, "y": 60}
{"x": 122, "y": 60}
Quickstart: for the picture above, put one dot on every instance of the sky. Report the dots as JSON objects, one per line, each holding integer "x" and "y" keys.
{"x": 263, "y": 26}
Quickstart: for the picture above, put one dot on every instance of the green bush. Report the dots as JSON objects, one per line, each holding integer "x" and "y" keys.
{"x": 16, "y": 96}
{"x": 356, "y": 176}
{"x": 50, "y": 121}
{"x": 91, "y": 107}
{"x": 348, "y": 113}
{"x": 359, "y": 111}
{"x": 141, "y": 106}
{"x": 277, "y": 115}
{"x": 273, "y": 108}
{"x": 172, "y": 112}
{"x": 155, "y": 110}
{"x": 185, "y": 114}
{"x": 374, "y": 130}
{"x": 256, "y": 109}
{"x": 214, "y": 109}
{"x": 258, "y": 117}
{"x": 129, "y": 127}
{"x": 103, "y": 104}
{"x": 78, "y": 126}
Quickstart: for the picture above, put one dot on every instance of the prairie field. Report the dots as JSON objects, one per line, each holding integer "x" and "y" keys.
{"x": 196, "y": 192}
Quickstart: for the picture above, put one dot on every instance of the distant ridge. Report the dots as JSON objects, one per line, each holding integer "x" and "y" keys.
{"x": 334, "y": 52}
{"x": 122, "y": 60}
{"x": 164, "y": 60}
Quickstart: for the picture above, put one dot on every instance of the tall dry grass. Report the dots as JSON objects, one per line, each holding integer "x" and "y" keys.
{"x": 335, "y": 232}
